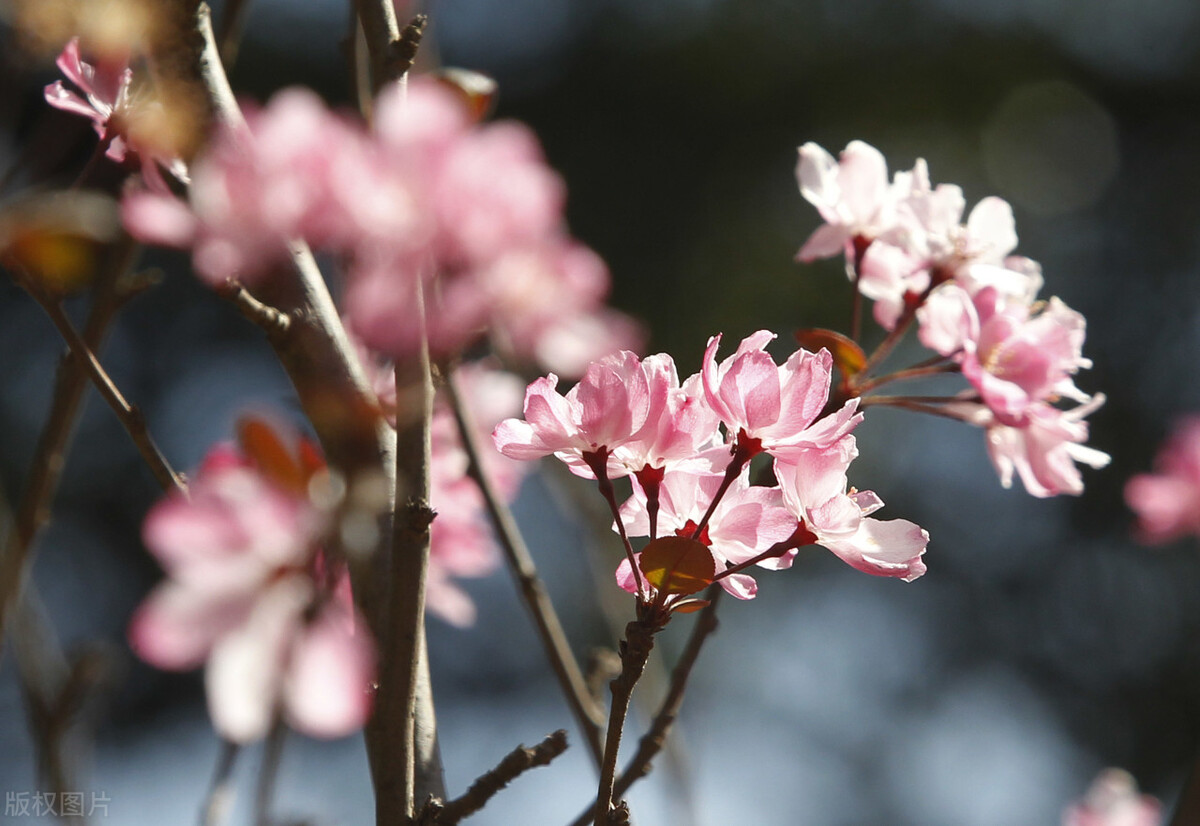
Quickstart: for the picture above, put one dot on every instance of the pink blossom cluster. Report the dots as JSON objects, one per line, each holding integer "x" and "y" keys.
{"x": 1167, "y": 502}
{"x": 445, "y": 227}
{"x": 687, "y": 446}
{"x": 976, "y": 304}
{"x": 249, "y": 594}
{"x": 1113, "y": 800}
{"x": 105, "y": 98}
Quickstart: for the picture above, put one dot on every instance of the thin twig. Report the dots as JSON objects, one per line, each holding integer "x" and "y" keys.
{"x": 268, "y": 772}
{"x": 532, "y": 590}
{"x": 220, "y": 790}
{"x": 903, "y": 403}
{"x": 129, "y": 416}
{"x": 515, "y": 763}
{"x": 914, "y": 372}
{"x": 635, "y": 651}
{"x": 272, "y": 321}
{"x": 49, "y": 456}
{"x": 655, "y": 738}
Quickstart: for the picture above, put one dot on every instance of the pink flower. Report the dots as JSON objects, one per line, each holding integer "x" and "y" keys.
{"x": 246, "y": 593}
{"x": 777, "y": 405}
{"x": 256, "y": 190}
{"x": 1043, "y": 447}
{"x": 107, "y": 102}
{"x": 747, "y": 521}
{"x": 1113, "y": 800}
{"x": 814, "y": 489}
{"x": 1018, "y": 358}
{"x": 105, "y": 92}
{"x": 1167, "y": 502}
{"x": 545, "y": 303}
{"x": 605, "y": 410}
{"x": 851, "y": 194}
{"x": 679, "y": 424}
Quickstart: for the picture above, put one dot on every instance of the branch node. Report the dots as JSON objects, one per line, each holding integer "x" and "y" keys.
{"x": 403, "y": 52}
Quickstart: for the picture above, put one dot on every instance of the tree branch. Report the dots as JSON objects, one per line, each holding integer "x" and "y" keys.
{"x": 515, "y": 763}
{"x": 655, "y": 738}
{"x": 635, "y": 651}
{"x": 532, "y": 590}
{"x": 129, "y": 416}
{"x": 337, "y": 399}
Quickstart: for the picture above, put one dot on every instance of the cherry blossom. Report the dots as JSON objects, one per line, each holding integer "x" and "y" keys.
{"x": 258, "y": 189}
{"x": 1044, "y": 447}
{"x": 103, "y": 93}
{"x": 1167, "y": 502}
{"x": 104, "y": 98}
{"x": 774, "y": 407}
{"x": 851, "y": 194}
{"x": 247, "y": 594}
{"x": 605, "y": 410}
{"x": 1113, "y": 800}
{"x": 814, "y": 488}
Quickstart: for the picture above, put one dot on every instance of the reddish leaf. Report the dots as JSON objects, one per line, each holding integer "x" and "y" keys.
{"x": 847, "y": 355}
{"x": 687, "y": 606}
{"x": 271, "y": 456}
{"x": 477, "y": 90}
{"x": 677, "y": 565}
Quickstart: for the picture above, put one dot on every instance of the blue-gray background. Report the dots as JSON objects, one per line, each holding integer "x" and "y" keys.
{"x": 1041, "y": 646}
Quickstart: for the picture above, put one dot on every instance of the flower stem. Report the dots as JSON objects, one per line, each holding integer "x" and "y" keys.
{"x": 598, "y": 462}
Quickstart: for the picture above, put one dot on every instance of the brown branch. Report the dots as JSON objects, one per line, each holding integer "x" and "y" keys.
{"x": 54, "y": 688}
{"x": 655, "y": 738}
{"x": 400, "y": 647}
{"x": 49, "y": 457}
{"x": 337, "y": 399}
{"x": 129, "y": 416}
{"x": 392, "y": 50}
{"x": 515, "y": 763}
{"x": 532, "y": 590}
{"x": 274, "y": 323}
{"x": 635, "y": 651}
{"x": 220, "y": 789}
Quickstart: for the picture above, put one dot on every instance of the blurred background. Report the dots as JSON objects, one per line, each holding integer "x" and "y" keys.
{"x": 1042, "y": 645}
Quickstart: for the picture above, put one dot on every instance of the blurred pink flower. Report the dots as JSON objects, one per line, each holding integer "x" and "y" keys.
{"x": 1113, "y": 800}
{"x": 247, "y": 594}
{"x": 256, "y": 190}
{"x": 105, "y": 91}
{"x": 1167, "y": 502}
